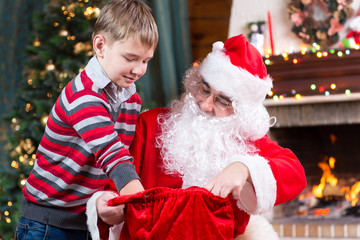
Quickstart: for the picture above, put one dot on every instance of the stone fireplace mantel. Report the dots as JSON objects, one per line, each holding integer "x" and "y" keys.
{"x": 316, "y": 110}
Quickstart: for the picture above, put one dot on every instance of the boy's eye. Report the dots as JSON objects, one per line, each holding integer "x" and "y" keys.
{"x": 129, "y": 59}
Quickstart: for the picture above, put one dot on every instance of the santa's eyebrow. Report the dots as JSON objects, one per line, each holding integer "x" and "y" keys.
{"x": 220, "y": 95}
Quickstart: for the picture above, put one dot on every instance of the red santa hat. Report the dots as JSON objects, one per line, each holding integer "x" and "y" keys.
{"x": 236, "y": 68}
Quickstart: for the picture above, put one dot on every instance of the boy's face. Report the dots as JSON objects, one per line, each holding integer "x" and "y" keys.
{"x": 124, "y": 61}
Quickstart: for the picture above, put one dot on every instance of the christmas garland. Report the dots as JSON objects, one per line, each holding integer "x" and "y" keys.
{"x": 319, "y": 21}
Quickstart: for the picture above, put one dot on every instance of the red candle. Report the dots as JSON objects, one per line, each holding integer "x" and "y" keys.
{"x": 270, "y": 33}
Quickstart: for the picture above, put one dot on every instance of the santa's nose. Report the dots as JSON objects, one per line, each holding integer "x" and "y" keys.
{"x": 207, "y": 105}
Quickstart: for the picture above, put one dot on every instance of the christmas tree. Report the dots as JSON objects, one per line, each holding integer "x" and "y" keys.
{"x": 58, "y": 49}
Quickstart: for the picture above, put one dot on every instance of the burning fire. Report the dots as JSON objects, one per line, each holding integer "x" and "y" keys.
{"x": 329, "y": 182}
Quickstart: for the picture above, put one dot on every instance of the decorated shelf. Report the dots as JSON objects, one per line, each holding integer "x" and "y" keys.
{"x": 309, "y": 74}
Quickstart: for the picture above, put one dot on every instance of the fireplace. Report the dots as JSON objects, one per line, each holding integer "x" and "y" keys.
{"x": 323, "y": 131}
{"x": 329, "y": 152}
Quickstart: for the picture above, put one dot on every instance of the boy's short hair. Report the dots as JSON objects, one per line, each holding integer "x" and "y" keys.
{"x": 121, "y": 19}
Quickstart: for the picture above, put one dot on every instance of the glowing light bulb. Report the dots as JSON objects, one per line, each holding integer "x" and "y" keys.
{"x": 312, "y": 86}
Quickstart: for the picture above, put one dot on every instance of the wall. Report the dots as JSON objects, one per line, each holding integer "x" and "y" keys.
{"x": 209, "y": 22}
{"x": 243, "y": 12}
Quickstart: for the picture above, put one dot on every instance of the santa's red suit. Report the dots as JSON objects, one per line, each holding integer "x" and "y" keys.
{"x": 282, "y": 164}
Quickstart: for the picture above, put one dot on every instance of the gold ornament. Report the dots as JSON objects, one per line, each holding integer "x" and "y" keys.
{"x": 44, "y": 119}
{"x": 22, "y": 181}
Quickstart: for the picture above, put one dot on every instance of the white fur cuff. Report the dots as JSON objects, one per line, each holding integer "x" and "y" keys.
{"x": 264, "y": 183}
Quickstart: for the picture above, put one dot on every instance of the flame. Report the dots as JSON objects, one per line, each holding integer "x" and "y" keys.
{"x": 352, "y": 194}
{"x": 327, "y": 177}
{"x": 321, "y": 211}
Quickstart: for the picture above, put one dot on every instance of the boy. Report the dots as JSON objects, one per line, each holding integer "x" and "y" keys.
{"x": 90, "y": 127}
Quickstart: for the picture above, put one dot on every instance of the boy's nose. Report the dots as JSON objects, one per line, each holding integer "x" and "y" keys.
{"x": 139, "y": 69}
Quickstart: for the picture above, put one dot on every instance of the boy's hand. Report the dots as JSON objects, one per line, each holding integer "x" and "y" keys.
{"x": 111, "y": 215}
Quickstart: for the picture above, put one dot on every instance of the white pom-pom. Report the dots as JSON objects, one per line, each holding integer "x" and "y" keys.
{"x": 354, "y": 24}
{"x": 218, "y": 46}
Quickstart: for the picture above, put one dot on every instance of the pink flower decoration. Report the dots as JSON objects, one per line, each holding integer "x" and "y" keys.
{"x": 335, "y": 26}
{"x": 298, "y": 18}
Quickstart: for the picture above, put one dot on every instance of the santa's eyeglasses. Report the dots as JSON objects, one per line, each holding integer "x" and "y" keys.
{"x": 221, "y": 102}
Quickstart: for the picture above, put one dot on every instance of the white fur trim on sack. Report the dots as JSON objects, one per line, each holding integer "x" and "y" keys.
{"x": 92, "y": 216}
{"x": 236, "y": 83}
{"x": 264, "y": 184}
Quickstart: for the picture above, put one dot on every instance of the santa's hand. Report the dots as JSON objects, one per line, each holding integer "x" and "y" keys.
{"x": 230, "y": 180}
{"x": 111, "y": 215}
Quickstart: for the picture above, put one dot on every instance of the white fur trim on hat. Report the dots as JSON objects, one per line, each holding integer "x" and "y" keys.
{"x": 235, "y": 82}
{"x": 263, "y": 182}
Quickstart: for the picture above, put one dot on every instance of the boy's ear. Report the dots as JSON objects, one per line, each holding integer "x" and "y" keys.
{"x": 98, "y": 45}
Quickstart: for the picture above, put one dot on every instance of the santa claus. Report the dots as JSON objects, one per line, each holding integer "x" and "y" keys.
{"x": 214, "y": 137}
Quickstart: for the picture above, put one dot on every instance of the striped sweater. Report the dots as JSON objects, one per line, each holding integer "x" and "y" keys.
{"x": 86, "y": 140}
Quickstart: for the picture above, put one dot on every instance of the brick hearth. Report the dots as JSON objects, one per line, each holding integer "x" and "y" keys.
{"x": 320, "y": 229}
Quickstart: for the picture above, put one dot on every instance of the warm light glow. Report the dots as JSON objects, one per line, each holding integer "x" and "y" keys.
{"x": 332, "y": 162}
{"x": 9, "y": 204}
{"x": 195, "y": 64}
{"x": 295, "y": 61}
{"x": 50, "y": 66}
{"x": 333, "y": 86}
{"x": 281, "y": 97}
{"x": 270, "y": 93}
{"x": 319, "y": 54}
{"x": 15, "y": 164}
{"x": 36, "y": 43}
{"x": 298, "y": 97}
{"x": 303, "y": 51}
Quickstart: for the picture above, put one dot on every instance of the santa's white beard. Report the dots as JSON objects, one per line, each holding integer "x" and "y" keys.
{"x": 198, "y": 146}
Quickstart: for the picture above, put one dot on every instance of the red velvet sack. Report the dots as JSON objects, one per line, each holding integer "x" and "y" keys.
{"x": 166, "y": 213}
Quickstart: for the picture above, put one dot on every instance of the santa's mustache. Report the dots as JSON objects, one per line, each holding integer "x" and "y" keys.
{"x": 198, "y": 146}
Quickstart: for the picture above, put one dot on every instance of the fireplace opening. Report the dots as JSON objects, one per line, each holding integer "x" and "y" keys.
{"x": 331, "y": 159}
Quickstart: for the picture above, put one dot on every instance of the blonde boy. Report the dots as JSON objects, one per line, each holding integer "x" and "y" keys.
{"x": 90, "y": 127}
